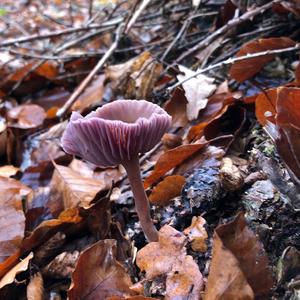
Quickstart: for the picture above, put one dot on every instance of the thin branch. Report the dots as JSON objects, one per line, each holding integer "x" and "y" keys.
{"x": 233, "y": 60}
{"x": 136, "y": 15}
{"x": 47, "y": 35}
{"x": 91, "y": 75}
{"x": 232, "y": 23}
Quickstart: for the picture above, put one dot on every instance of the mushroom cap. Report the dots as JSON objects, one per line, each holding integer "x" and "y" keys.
{"x": 115, "y": 132}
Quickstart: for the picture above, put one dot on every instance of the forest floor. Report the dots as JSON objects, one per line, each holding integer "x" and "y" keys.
{"x": 223, "y": 183}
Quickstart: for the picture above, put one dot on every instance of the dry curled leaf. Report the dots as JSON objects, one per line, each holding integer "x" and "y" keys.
{"x": 9, "y": 277}
{"x": 239, "y": 264}
{"x": 168, "y": 258}
{"x": 197, "y": 90}
{"x": 166, "y": 190}
{"x": 98, "y": 275}
{"x": 197, "y": 234}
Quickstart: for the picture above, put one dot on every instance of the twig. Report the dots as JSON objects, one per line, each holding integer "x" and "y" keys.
{"x": 233, "y": 60}
{"x": 47, "y": 35}
{"x": 232, "y": 23}
{"x": 88, "y": 79}
{"x": 136, "y": 15}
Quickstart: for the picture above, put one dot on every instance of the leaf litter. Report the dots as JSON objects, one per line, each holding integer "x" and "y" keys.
{"x": 223, "y": 183}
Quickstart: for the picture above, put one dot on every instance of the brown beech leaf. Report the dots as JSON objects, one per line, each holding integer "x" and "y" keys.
{"x": 49, "y": 228}
{"x": 10, "y": 276}
{"x": 197, "y": 234}
{"x": 12, "y": 217}
{"x": 166, "y": 190}
{"x": 245, "y": 69}
{"x": 91, "y": 96}
{"x": 136, "y": 78}
{"x": 170, "y": 159}
{"x": 98, "y": 275}
{"x": 265, "y": 106}
{"x": 168, "y": 258}
{"x": 26, "y": 116}
{"x": 216, "y": 107}
{"x": 176, "y": 107}
{"x": 287, "y": 138}
{"x": 239, "y": 264}
{"x": 75, "y": 188}
{"x": 47, "y": 70}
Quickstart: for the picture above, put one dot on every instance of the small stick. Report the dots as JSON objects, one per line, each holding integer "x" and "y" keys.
{"x": 232, "y": 23}
{"x": 88, "y": 79}
{"x": 47, "y": 35}
{"x": 136, "y": 15}
{"x": 232, "y": 60}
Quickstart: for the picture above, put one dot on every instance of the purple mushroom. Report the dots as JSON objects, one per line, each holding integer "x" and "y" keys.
{"x": 115, "y": 134}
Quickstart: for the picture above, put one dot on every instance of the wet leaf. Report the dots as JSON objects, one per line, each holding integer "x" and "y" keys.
{"x": 170, "y": 159}
{"x": 166, "y": 190}
{"x": 239, "y": 264}
{"x": 20, "y": 267}
{"x": 167, "y": 257}
{"x": 131, "y": 298}
{"x": 197, "y": 90}
{"x": 98, "y": 275}
{"x": 245, "y": 69}
{"x": 26, "y": 116}
{"x": 197, "y": 234}
{"x": 12, "y": 218}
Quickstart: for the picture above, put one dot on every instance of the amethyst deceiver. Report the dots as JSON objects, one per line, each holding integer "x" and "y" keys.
{"x": 115, "y": 134}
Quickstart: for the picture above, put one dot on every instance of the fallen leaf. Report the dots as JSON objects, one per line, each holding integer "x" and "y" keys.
{"x": 75, "y": 188}
{"x": 166, "y": 190}
{"x": 176, "y": 107}
{"x": 49, "y": 228}
{"x": 22, "y": 266}
{"x": 8, "y": 171}
{"x": 12, "y": 217}
{"x": 92, "y": 96}
{"x": 168, "y": 258}
{"x": 265, "y": 106}
{"x": 47, "y": 70}
{"x": 239, "y": 264}
{"x": 26, "y": 116}
{"x": 197, "y": 90}
{"x": 170, "y": 159}
{"x": 197, "y": 234}
{"x": 245, "y": 69}
{"x": 136, "y": 78}
{"x": 98, "y": 275}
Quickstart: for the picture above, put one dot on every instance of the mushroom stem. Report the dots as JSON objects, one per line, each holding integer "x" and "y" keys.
{"x": 141, "y": 201}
